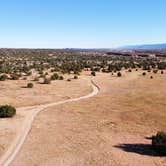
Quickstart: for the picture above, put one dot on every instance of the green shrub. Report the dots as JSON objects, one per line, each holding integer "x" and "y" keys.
{"x": 119, "y": 74}
{"x": 144, "y": 73}
{"x": 3, "y": 77}
{"x": 155, "y": 71}
{"x": 14, "y": 77}
{"x": 93, "y": 73}
{"x": 7, "y": 111}
{"x": 29, "y": 85}
{"x": 61, "y": 78}
{"x": 55, "y": 76}
{"x": 159, "y": 142}
{"x": 75, "y": 77}
{"x": 151, "y": 77}
{"x": 130, "y": 70}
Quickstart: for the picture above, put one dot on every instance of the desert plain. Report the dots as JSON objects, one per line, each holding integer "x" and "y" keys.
{"x": 110, "y": 128}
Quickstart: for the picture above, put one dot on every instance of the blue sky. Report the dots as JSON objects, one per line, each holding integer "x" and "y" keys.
{"x": 81, "y": 23}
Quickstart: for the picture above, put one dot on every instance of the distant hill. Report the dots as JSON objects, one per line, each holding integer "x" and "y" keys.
{"x": 146, "y": 46}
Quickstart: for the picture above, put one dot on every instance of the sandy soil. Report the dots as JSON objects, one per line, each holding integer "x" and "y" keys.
{"x": 15, "y": 93}
{"x": 109, "y": 129}
{"x": 10, "y": 128}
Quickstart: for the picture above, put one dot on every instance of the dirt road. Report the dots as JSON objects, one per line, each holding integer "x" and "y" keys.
{"x": 26, "y": 127}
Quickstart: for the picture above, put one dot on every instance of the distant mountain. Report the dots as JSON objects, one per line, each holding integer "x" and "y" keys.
{"x": 146, "y": 46}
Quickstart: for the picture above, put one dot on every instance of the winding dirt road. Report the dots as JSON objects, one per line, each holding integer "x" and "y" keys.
{"x": 15, "y": 147}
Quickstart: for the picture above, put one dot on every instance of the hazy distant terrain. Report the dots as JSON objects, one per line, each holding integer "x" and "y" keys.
{"x": 146, "y": 46}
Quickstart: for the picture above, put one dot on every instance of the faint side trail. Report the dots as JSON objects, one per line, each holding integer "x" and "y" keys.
{"x": 15, "y": 147}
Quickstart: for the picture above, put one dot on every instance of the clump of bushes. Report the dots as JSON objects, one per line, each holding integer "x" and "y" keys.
{"x": 68, "y": 79}
{"x": 162, "y": 72}
{"x": 159, "y": 142}
{"x": 7, "y": 111}
{"x": 29, "y": 85}
{"x": 55, "y": 76}
{"x": 3, "y": 77}
{"x": 119, "y": 74}
{"x": 93, "y": 73}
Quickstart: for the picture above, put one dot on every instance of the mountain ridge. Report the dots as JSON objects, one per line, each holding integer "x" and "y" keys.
{"x": 146, "y": 46}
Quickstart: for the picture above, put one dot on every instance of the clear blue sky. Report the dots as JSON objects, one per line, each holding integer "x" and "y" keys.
{"x": 81, "y": 23}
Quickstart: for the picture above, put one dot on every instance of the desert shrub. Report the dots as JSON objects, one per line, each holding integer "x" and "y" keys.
{"x": 7, "y": 111}
{"x": 47, "y": 81}
{"x": 151, "y": 77}
{"x": 61, "y": 78}
{"x": 119, "y": 74}
{"x": 30, "y": 85}
{"x": 93, "y": 73}
{"x": 129, "y": 70}
{"x": 68, "y": 79}
{"x": 3, "y": 77}
{"x": 159, "y": 142}
{"x": 136, "y": 69}
{"x": 75, "y": 77}
{"x": 155, "y": 71}
{"x": 162, "y": 72}
{"x": 55, "y": 76}
{"x": 144, "y": 73}
{"x": 104, "y": 70}
{"x": 76, "y": 72}
{"x": 14, "y": 77}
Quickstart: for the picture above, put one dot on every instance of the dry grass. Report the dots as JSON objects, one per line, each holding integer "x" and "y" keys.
{"x": 12, "y": 93}
{"x": 109, "y": 129}
{"x": 15, "y": 93}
